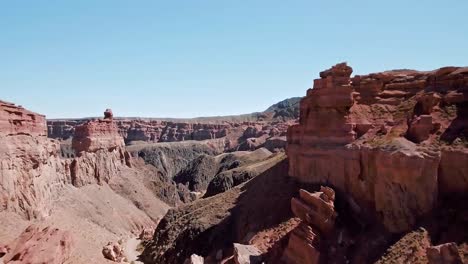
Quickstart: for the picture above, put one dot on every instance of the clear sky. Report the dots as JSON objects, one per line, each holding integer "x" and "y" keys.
{"x": 209, "y": 57}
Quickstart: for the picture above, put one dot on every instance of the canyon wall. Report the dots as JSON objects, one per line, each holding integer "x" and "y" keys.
{"x": 392, "y": 142}
{"x": 146, "y": 130}
{"x": 237, "y": 135}
{"x": 80, "y": 201}
{"x": 31, "y": 172}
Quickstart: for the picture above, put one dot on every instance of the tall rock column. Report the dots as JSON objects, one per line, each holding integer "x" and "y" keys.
{"x": 100, "y": 151}
{"x": 393, "y": 181}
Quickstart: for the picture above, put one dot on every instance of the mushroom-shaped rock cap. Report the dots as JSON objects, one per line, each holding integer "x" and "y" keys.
{"x": 339, "y": 70}
{"x": 108, "y": 114}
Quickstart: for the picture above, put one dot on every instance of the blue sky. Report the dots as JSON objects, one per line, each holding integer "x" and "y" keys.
{"x": 209, "y": 57}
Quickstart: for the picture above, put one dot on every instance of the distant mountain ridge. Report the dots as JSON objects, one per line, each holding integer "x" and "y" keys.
{"x": 288, "y": 108}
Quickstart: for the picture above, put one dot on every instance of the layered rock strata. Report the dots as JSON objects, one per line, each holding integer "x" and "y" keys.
{"x": 100, "y": 152}
{"x": 31, "y": 172}
{"x": 97, "y": 135}
{"x": 37, "y": 182}
{"x": 238, "y": 136}
{"x": 317, "y": 214}
{"x": 385, "y": 140}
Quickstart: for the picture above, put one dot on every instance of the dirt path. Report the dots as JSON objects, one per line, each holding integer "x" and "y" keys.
{"x": 130, "y": 250}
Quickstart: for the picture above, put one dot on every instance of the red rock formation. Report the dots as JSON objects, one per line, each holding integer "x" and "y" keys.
{"x": 244, "y": 136}
{"x": 108, "y": 114}
{"x": 40, "y": 245}
{"x": 351, "y": 135}
{"x": 35, "y": 179}
{"x": 15, "y": 120}
{"x": 317, "y": 212}
{"x": 31, "y": 173}
{"x": 101, "y": 152}
{"x": 97, "y": 135}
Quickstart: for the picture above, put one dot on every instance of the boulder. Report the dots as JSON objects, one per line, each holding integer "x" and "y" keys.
{"x": 114, "y": 252}
{"x": 194, "y": 259}
{"x": 108, "y": 114}
{"x": 247, "y": 254}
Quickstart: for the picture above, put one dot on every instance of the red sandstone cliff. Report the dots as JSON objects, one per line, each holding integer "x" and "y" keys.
{"x": 392, "y": 142}
{"x": 101, "y": 134}
{"x": 31, "y": 173}
{"x": 100, "y": 151}
{"x": 237, "y": 135}
{"x": 38, "y": 183}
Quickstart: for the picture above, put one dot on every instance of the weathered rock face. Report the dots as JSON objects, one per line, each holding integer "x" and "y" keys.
{"x": 97, "y": 135}
{"x": 41, "y": 245}
{"x": 31, "y": 173}
{"x": 239, "y": 136}
{"x": 384, "y": 139}
{"x": 15, "y": 120}
{"x": 170, "y": 130}
{"x": 36, "y": 184}
{"x": 146, "y": 130}
{"x": 101, "y": 152}
{"x": 317, "y": 214}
